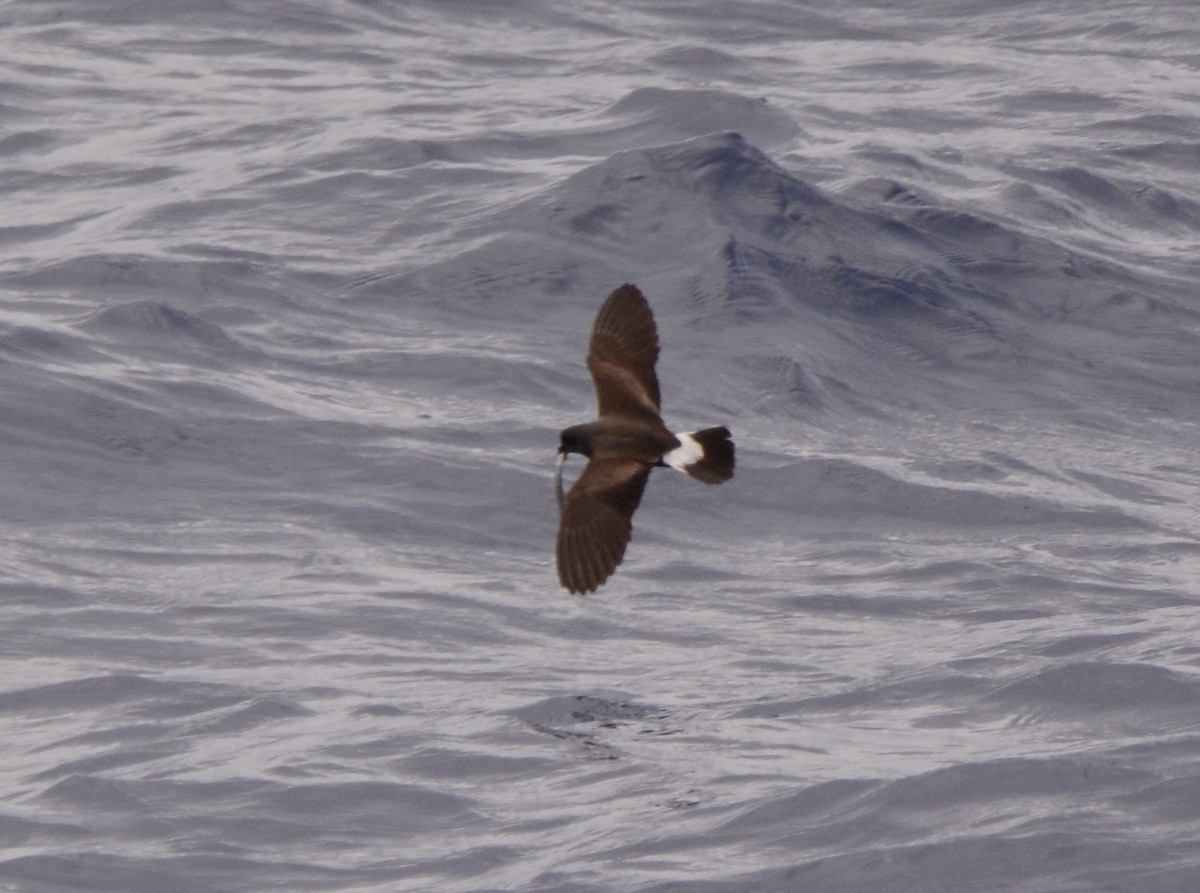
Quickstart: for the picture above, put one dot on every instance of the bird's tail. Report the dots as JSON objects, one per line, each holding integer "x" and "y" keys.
{"x": 706, "y": 455}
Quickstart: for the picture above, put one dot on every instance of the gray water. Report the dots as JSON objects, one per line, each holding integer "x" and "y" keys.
{"x": 294, "y": 300}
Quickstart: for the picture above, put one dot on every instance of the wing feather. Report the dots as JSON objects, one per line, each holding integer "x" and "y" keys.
{"x": 622, "y": 353}
{"x": 597, "y": 521}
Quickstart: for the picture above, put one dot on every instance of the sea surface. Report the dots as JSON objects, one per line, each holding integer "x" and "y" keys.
{"x": 295, "y": 298}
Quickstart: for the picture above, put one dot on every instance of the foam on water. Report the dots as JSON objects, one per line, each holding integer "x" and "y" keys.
{"x": 293, "y": 306}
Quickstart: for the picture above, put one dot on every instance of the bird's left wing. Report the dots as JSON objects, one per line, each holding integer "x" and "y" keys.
{"x": 597, "y": 521}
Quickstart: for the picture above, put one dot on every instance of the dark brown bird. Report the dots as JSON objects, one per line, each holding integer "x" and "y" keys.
{"x": 623, "y": 445}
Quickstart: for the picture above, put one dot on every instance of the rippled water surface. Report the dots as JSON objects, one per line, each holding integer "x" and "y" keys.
{"x": 295, "y": 299}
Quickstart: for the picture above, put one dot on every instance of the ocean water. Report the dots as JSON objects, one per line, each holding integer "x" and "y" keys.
{"x": 294, "y": 299}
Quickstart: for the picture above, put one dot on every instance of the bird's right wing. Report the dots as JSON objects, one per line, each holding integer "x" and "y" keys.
{"x": 622, "y": 354}
{"x": 597, "y": 521}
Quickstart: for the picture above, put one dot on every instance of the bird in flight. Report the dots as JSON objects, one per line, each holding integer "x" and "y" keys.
{"x": 623, "y": 445}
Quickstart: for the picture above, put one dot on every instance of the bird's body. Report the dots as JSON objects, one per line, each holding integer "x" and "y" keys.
{"x": 608, "y": 436}
{"x": 622, "y": 446}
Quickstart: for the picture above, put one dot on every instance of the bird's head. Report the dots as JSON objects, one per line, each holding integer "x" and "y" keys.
{"x": 574, "y": 440}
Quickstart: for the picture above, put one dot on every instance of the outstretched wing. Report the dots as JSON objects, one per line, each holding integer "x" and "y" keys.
{"x": 622, "y": 354}
{"x": 597, "y": 521}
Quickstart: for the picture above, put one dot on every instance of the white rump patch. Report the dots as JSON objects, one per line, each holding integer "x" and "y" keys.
{"x": 688, "y": 453}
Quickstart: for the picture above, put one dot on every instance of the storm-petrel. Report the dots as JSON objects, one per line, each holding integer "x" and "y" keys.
{"x": 623, "y": 444}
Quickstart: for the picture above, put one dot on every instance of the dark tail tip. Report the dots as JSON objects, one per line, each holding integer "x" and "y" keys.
{"x": 716, "y": 465}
